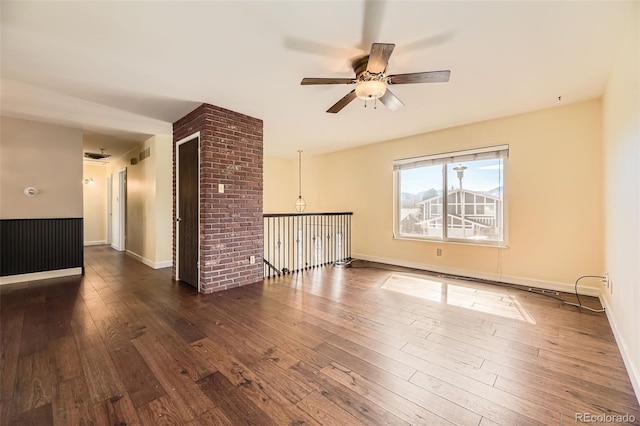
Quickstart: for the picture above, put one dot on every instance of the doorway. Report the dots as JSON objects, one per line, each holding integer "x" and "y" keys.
{"x": 109, "y": 210}
{"x": 122, "y": 209}
{"x": 188, "y": 210}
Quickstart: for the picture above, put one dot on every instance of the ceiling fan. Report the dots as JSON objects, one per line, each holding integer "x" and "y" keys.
{"x": 372, "y": 81}
{"x": 97, "y": 156}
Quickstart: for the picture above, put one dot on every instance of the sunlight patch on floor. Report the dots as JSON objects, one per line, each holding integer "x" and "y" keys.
{"x": 491, "y": 302}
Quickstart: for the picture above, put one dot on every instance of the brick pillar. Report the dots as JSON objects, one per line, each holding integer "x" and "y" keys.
{"x": 231, "y": 228}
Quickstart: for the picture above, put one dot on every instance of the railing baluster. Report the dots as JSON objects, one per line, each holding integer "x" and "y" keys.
{"x": 324, "y": 235}
{"x": 348, "y": 254}
{"x": 327, "y": 239}
{"x": 307, "y": 242}
{"x": 277, "y": 246}
{"x": 339, "y": 248}
{"x": 296, "y": 220}
{"x": 289, "y": 264}
{"x": 268, "y": 244}
{"x": 341, "y": 238}
{"x": 333, "y": 238}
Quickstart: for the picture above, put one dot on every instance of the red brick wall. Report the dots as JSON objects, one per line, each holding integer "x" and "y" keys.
{"x": 231, "y": 222}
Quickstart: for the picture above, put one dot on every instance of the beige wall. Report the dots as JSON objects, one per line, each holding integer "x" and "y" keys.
{"x": 553, "y": 190}
{"x": 621, "y": 152}
{"x": 164, "y": 199}
{"x": 149, "y": 201}
{"x": 95, "y": 204}
{"x": 280, "y": 185}
{"x": 43, "y": 156}
{"x": 141, "y": 219}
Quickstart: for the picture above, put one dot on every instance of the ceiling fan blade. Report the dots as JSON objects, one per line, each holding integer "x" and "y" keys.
{"x": 391, "y": 101}
{"x": 372, "y": 21}
{"x": 308, "y": 81}
{"x": 317, "y": 48}
{"x": 420, "y": 77}
{"x": 342, "y": 102}
{"x": 379, "y": 57}
{"x": 430, "y": 41}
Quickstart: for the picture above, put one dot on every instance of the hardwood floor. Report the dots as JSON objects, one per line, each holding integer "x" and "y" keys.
{"x": 357, "y": 346}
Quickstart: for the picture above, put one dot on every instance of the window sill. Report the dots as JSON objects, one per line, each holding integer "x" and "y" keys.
{"x": 494, "y": 244}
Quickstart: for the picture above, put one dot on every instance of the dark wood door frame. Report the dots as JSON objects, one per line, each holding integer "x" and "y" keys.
{"x": 192, "y": 138}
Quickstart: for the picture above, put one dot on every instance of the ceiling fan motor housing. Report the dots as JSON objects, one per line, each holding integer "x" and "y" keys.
{"x": 359, "y": 65}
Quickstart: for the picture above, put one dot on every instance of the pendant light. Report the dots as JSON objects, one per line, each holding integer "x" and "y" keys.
{"x": 300, "y": 204}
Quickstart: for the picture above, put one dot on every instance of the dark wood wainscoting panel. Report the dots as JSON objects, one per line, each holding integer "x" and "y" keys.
{"x": 37, "y": 245}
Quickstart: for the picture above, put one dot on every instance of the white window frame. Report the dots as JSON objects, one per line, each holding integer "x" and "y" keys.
{"x": 491, "y": 152}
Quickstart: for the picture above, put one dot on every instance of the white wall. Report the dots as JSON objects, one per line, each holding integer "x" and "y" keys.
{"x": 43, "y": 156}
{"x": 621, "y": 153}
{"x": 95, "y": 204}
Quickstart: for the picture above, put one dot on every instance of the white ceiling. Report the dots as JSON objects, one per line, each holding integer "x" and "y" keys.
{"x": 132, "y": 68}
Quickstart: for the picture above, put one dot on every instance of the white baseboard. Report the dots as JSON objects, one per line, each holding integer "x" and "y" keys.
{"x": 527, "y": 282}
{"x": 154, "y": 265}
{"x": 632, "y": 370}
{"x": 44, "y": 275}
{"x": 165, "y": 264}
{"x": 95, "y": 243}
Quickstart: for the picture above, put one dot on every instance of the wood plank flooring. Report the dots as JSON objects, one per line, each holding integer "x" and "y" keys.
{"x": 358, "y": 346}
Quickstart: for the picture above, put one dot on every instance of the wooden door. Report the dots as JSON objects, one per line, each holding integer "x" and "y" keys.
{"x": 188, "y": 212}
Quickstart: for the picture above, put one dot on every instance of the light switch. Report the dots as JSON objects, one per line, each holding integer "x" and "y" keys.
{"x": 221, "y": 188}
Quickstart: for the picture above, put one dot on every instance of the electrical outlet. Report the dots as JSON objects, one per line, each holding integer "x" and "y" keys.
{"x": 252, "y": 259}
{"x": 439, "y": 252}
{"x": 605, "y": 280}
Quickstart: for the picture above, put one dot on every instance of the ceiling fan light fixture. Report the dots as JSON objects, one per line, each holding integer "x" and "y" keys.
{"x": 371, "y": 89}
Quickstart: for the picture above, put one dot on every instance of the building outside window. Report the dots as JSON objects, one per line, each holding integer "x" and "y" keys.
{"x": 456, "y": 196}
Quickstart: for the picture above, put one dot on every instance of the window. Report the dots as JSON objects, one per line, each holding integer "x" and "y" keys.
{"x": 455, "y": 196}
